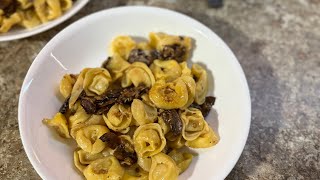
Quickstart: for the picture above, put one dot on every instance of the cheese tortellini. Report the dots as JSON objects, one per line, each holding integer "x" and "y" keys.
{"x": 149, "y": 140}
{"x": 138, "y": 74}
{"x": 29, "y": 14}
{"x": 168, "y": 70}
{"x": 118, "y": 118}
{"x": 163, "y": 167}
{"x": 201, "y": 83}
{"x": 107, "y": 168}
{"x": 135, "y": 117}
{"x": 88, "y": 138}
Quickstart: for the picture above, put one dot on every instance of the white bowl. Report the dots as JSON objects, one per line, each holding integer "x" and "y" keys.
{"x": 84, "y": 44}
{"x": 18, "y": 33}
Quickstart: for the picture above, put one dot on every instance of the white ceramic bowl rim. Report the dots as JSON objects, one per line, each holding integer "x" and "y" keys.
{"x": 23, "y": 33}
{"x": 37, "y": 62}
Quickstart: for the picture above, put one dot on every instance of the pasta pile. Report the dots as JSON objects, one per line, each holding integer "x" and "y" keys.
{"x": 30, "y": 13}
{"x": 132, "y": 116}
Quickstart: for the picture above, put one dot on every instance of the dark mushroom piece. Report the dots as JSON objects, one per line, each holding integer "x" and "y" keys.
{"x": 172, "y": 118}
{"x": 206, "y": 106}
{"x": 9, "y": 7}
{"x": 111, "y": 139}
{"x": 175, "y": 51}
{"x": 125, "y": 153}
{"x": 65, "y": 106}
{"x": 138, "y": 55}
{"x": 88, "y": 105}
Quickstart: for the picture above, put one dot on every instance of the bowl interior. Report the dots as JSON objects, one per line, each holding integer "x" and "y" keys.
{"x": 85, "y": 44}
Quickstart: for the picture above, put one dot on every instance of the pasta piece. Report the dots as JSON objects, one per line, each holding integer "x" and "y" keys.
{"x": 59, "y": 122}
{"x": 88, "y": 138}
{"x": 92, "y": 120}
{"x": 80, "y": 116}
{"x": 146, "y": 99}
{"x": 148, "y": 140}
{"x": 77, "y": 163}
{"x": 191, "y": 86}
{"x": 183, "y": 160}
{"x": 107, "y": 168}
{"x": 168, "y": 70}
{"x": 65, "y": 4}
{"x": 170, "y": 46}
{"x": 207, "y": 139}
{"x": 47, "y": 9}
{"x": 135, "y": 172}
{"x": 123, "y": 45}
{"x": 170, "y": 95}
{"x": 201, "y": 83}
{"x": 29, "y": 18}
{"x": 175, "y": 142}
{"x": 77, "y": 88}
{"x": 185, "y": 71}
{"x": 163, "y": 167}
{"x": 193, "y": 123}
{"x": 7, "y": 23}
{"x": 143, "y": 113}
{"x": 96, "y": 81}
{"x": 164, "y": 126}
{"x": 144, "y": 163}
{"x": 116, "y": 65}
{"x": 138, "y": 73}
{"x": 25, "y": 4}
{"x": 118, "y": 118}
{"x": 66, "y": 85}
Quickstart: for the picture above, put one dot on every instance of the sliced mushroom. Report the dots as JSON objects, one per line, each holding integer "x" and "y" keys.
{"x": 111, "y": 139}
{"x": 175, "y": 51}
{"x": 206, "y": 106}
{"x": 125, "y": 153}
{"x": 172, "y": 118}
{"x": 65, "y": 106}
{"x": 88, "y": 105}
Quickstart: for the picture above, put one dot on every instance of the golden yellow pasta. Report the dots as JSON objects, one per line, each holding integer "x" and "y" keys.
{"x": 138, "y": 74}
{"x": 149, "y": 140}
{"x": 143, "y": 113}
{"x": 135, "y": 117}
{"x": 59, "y": 122}
{"x": 31, "y": 13}
{"x": 118, "y": 118}
{"x": 182, "y": 159}
{"x": 163, "y": 167}
{"x": 107, "y": 168}
{"x": 167, "y": 70}
{"x": 88, "y": 138}
{"x": 201, "y": 83}
{"x": 170, "y": 95}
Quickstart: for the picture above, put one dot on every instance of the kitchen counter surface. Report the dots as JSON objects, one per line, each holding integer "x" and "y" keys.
{"x": 277, "y": 44}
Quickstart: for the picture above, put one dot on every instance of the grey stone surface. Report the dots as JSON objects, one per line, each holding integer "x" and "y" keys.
{"x": 277, "y": 44}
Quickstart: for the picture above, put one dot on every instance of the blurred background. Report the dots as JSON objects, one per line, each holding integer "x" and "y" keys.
{"x": 277, "y": 44}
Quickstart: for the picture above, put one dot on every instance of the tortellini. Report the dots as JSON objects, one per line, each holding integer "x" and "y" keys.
{"x": 161, "y": 40}
{"x": 148, "y": 140}
{"x": 201, "y": 83}
{"x": 135, "y": 172}
{"x": 59, "y": 122}
{"x": 168, "y": 70}
{"x": 135, "y": 117}
{"x": 107, "y": 168}
{"x": 143, "y": 113}
{"x": 207, "y": 139}
{"x": 123, "y": 45}
{"x": 119, "y": 118}
{"x": 88, "y": 138}
{"x": 31, "y": 13}
{"x": 66, "y": 85}
{"x": 182, "y": 159}
{"x": 170, "y": 95}
{"x": 137, "y": 74}
{"x": 163, "y": 167}
{"x": 193, "y": 123}
{"x": 116, "y": 65}
{"x": 47, "y": 9}
{"x": 96, "y": 81}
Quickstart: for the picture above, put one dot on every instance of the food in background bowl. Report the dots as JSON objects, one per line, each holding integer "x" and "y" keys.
{"x": 30, "y": 13}
{"x": 131, "y": 117}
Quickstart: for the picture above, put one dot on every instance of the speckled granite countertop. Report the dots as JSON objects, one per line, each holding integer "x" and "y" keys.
{"x": 277, "y": 44}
